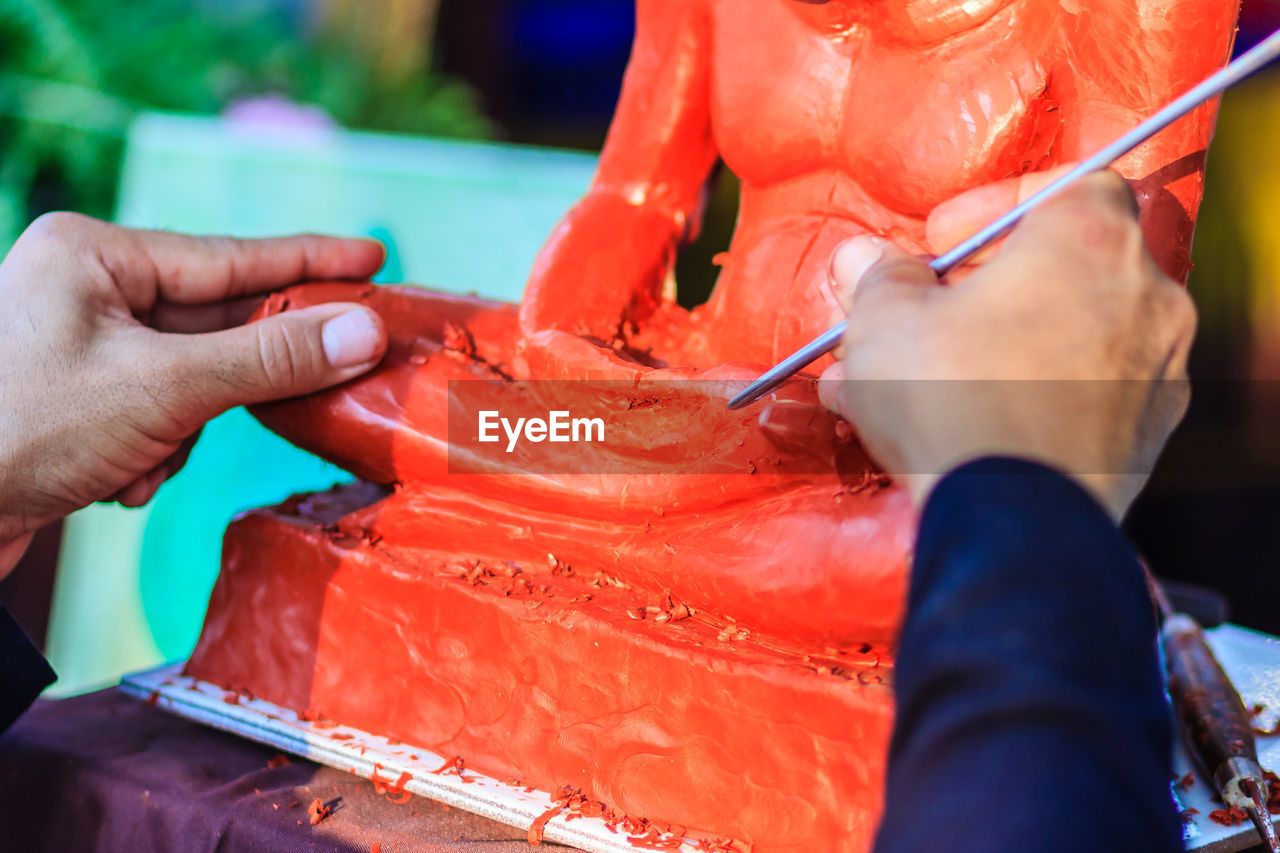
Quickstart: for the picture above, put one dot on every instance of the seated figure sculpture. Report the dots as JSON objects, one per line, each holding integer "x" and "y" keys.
{"x": 840, "y": 118}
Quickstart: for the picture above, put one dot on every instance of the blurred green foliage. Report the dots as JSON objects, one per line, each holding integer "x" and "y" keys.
{"x": 74, "y": 72}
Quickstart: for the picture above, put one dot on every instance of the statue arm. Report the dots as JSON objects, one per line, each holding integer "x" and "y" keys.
{"x": 1126, "y": 60}
{"x": 605, "y": 264}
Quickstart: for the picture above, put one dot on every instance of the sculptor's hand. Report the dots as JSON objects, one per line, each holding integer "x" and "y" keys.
{"x": 117, "y": 345}
{"x": 1071, "y": 306}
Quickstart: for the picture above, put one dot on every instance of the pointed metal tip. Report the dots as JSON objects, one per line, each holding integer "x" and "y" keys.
{"x": 747, "y": 396}
{"x": 1261, "y": 816}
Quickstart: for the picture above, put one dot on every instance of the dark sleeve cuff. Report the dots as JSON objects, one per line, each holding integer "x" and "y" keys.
{"x": 1031, "y": 712}
{"x": 23, "y": 671}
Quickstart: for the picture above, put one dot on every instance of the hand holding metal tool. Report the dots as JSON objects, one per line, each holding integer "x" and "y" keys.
{"x": 1244, "y": 65}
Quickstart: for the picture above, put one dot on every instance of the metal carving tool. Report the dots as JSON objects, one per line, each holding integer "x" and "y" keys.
{"x": 1244, "y": 65}
{"x": 1216, "y": 728}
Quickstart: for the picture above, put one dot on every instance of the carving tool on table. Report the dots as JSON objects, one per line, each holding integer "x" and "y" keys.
{"x": 1244, "y": 65}
{"x": 1216, "y": 728}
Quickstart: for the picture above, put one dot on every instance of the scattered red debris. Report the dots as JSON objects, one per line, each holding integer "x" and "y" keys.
{"x": 293, "y": 805}
{"x": 231, "y": 698}
{"x": 318, "y": 811}
{"x": 153, "y": 698}
{"x": 458, "y": 339}
{"x": 1228, "y": 817}
{"x": 401, "y": 796}
{"x": 455, "y": 766}
{"x": 375, "y": 847}
{"x": 718, "y": 845}
{"x": 379, "y": 784}
{"x": 275, "y": 807}
{"x": 278, "y": 760}
{"x": 394, "y": 791}
{"x": 413, "y": 757}
{"x": 540, "y": 824}
{"x": 340, "y": 736}
{"x": 642, "y": 833}
{"x": 1187, "y": 781}
{"x": 325, "y": 724}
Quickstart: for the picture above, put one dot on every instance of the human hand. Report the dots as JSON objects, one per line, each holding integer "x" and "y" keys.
{"x": 1069, "y": 347}
{"x": 117, "y": 345}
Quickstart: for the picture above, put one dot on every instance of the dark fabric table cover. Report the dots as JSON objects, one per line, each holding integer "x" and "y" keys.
{"x": 105, "y": 772}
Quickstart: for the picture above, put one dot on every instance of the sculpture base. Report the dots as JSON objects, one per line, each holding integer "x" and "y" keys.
{"x": 553, "y": 676}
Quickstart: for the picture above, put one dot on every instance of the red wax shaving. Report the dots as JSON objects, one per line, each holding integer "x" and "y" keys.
{"x": 1187, "y": 781}
{"x": 401, "y": 795}
{"x": 153, "y": 698}
{"x": 394, "y": 790}
{"x": 375, "y": 847}
{"x": 340, "y": 736}
{"x": 454, "y": 766}
{"x": 1228, "y": 817}
{"x": 278, "y": 760}
{"x": 537, "y": 827}
{"x": 379, "y": 784}
{"x": 457, "y": 338}
{"x": 318, "y": 811}
{"x": 231, "y": 698}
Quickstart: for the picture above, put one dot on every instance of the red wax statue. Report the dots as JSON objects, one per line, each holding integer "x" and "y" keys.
{"x": 840, "y": 118}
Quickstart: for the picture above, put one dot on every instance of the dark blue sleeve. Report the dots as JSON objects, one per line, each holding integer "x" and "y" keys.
{"x": 23, "y": 671}
{"x": 1031, "y": 714}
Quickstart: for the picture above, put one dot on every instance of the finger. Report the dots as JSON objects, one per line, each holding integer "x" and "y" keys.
{"x": 1180, "y": 321}
{"x": 198, "y": 319}
{"x": 849, "y": 262}
{"x": 830, "y": 386}
{"x": 896, "y": 277}
{"x": 1090, "y": 225}
{"x": 147, "y": 486}
{"x": 955, "y": 220}
{"x": 143, "y": 489}
{"x": 155, "y": 265}
{"x": 293, "y": 353}
{"x": 178, "y": 459}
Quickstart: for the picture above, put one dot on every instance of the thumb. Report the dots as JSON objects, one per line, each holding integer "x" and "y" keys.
{"x": 293, "y": 353}
{"x": 868, "y": 270}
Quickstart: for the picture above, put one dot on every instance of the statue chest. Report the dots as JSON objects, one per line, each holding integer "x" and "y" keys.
{"x": 912, "y": 123}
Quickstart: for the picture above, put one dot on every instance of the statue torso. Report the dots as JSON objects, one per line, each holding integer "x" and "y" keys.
{"x": 846, "y": 117}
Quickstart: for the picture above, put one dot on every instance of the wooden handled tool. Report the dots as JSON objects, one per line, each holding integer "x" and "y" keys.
{"x": 1215, "y": 726}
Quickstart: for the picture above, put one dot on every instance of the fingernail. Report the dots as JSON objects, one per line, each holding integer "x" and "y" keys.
{"x": 350, "y": 339}
{"x": 852, "y": 258}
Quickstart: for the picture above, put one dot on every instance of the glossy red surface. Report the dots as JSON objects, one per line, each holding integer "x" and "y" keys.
{"x": 545, "y": 676}
{"x": 868, "y": 116}
{"x": 840, "y": 118}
